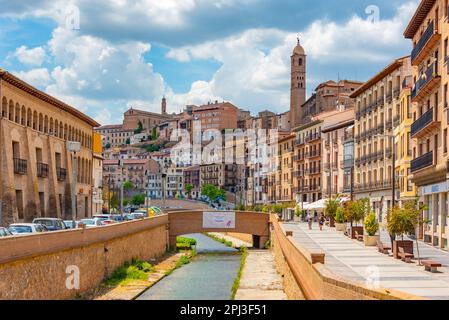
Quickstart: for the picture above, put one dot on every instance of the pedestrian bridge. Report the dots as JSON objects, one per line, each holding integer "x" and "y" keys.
{"x": 200, "y": 221}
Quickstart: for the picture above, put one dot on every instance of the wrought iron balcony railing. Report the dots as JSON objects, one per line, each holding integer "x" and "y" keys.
{"x": 422, "y": 162}
{"x": 42, "y": 170}
{"x": 20, "y": 166}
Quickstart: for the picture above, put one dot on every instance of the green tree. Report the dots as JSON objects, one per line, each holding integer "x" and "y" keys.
{"x": 213, "y": 192}
{"x": 114, "y": 200}
{"x": 355, "y": 211}
{"x": 128, "y": 185}
{"x": 154, "y": 134}
{"x": 139, "y": 128}
{"x": 188, "y": 188}
{"x": 107, "y": 146}
{"x": 138, "y": 199}
{"x": 371, "y": 224}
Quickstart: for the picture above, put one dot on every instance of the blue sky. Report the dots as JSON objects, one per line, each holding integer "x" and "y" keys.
{"x": 131, "y": 53}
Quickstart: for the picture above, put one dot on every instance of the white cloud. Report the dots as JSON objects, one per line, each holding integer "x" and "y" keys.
{"x": 39, "y": 77}
{"x": 32, "y": 57}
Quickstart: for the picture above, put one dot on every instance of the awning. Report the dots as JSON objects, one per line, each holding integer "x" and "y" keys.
{"x": 321, "y": 204}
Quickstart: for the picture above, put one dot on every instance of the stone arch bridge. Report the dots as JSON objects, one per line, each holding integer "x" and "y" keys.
{"x": 199, "y": 221}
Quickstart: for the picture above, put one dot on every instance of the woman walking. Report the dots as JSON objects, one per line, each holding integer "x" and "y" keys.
{"x": 321, "y": 221}
{"x": 310, "y": 220}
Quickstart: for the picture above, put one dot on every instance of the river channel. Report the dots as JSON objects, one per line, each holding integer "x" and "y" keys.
{"x": 209, "y": 276}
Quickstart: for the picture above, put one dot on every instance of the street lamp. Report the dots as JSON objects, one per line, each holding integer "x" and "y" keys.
{"x": 74, "y": 147}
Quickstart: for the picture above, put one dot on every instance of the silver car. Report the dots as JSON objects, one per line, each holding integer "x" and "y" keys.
{"x": 21, "y": 228}
{"x": 4, "y": 232}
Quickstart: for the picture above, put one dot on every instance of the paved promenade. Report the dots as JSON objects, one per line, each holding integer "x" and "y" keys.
{"x": 352, "y": 260}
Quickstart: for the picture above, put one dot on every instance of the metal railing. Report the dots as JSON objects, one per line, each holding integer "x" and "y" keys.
{"x": 61, "y": 174}
{"x": 42, "y": 170}
{"x": 429, "y": 75}
{"x": 20, "y": 166}
{"x": 423, "y": 40}
{"x": 422, "y": 122}
{"x": 422, "y": 162}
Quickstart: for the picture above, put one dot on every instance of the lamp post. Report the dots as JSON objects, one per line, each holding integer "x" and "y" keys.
{"x": 74, "y": 147}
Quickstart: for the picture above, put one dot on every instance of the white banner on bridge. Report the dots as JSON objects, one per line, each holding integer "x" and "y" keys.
{"x": 219, "y": 220}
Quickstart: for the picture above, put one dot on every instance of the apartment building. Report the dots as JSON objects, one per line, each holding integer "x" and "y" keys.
{"x": 220, "y": 175}
{"x": 428, "y": 31}
{"x": 402, "y": 123}
{"x": 218, "y": 115}
{"x": 377, "y": 110}
{"x": 35, "y": 164}
{"x": 192, "y": 177}
{"x": 307, "y": 161}
{"x": 285, "y": 169}
{"x": 337, "y": 153}
{"x": 174, "y": 182}
{"x": 329, "y": 96}
{"x": 97, "y": 175}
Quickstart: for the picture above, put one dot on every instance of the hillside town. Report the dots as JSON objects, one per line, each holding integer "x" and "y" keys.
{"x": 383, "y": 141}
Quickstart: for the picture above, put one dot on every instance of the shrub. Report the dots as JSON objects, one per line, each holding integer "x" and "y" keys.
{"x": 339, "y": 215}
{"x": 371, "y": 224}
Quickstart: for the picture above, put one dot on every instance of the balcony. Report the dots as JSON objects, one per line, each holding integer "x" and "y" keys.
{"x": 42, "y": 170}
{"x": 61, "y": 174}
{"x": 424, "y": 46}
{"x": 426, "y": 83}
{"x": 313, "y": 137}
{"x": 426, "y": 123}
{"x": 347, "y": 163}
{"x": 313, "y": 154}
{"x": 422, "y": 162}
{"x": 348, "y": 137}
{"x": 396, "y": 92}
{"x": 20, "y": 166}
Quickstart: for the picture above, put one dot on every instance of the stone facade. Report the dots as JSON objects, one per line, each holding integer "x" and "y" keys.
{"x": 35, "y": 164}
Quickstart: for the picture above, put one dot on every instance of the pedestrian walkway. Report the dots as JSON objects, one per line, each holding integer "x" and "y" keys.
{"x": 260, "y": 280}
{"x": 352, "y": 260}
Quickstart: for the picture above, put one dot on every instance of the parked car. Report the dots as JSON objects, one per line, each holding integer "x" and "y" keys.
{"x": 52, "y": 224}
{"x": 134, "y": 216}
{"x": 4, "y": 232}
{"x": 118, "y": 218}
{"x": 70, "y": 224}
{"x": 108, "y": 222}
{"x": 20, "y": 228}
{"x": 103, "y": 217}
{"x": 91, "y": 223}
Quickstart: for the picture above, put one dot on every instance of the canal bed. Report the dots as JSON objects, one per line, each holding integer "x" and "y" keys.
{"x": 209, "y": 276}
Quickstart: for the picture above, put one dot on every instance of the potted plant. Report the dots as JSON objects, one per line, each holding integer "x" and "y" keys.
{"x": 354, "y": 212}
{"x": 330, "y": 209}
{"x": 371, "y": 228}
{"x": 340, "y": 224}
{"x": 401, "y": 221}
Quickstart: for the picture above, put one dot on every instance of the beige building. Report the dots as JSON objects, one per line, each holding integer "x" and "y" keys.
{"x": 377, "y": 106}
{"x": 338, "y": 153}
{"x": 35, "y": 164}
{"x": 307, "y": 162}
{"x": 286, "y": 188}
{"x": 218, "y": 115}
{"x": 429, "y": 32}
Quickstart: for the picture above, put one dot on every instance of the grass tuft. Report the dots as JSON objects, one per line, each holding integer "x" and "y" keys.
{"x": 236, "y": 284}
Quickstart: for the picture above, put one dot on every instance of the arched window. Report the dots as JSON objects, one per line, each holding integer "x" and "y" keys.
{"x": 41, "y": 122}
{"x": 300, "y": 62}
{"x": 4, "y": 113}
{"x": 17, "y": 113}
{"x": 23, "y": 117}
{"x": 56, "y": 133}
{"x": 29, "y": 116}
{"x": 61, "y": 130}
{"x": 65, "y": 131}
{"x": 51, "y": 126}
{"x": 11, "y": 110}
{"x": 35, "y": 120}
{"x": 46, "y": 124}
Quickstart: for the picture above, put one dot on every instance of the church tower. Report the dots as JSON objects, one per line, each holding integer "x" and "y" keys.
{"x": 164, "y": 106}
{"x": 298, "y": 85}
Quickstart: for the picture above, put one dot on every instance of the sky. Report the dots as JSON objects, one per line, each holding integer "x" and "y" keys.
{"x": 105, "y": 56}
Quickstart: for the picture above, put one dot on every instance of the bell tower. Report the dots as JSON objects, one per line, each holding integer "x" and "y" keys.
{"x": 164, "y": 106}
{"x": 298, "y": 85}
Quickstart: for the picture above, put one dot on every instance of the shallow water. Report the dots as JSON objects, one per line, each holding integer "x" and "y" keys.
{"x": 208, "y": 277}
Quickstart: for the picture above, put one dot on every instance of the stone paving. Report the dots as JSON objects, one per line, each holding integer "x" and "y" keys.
{"x": 352, "y": 260}
{"x": 260, "y": 280}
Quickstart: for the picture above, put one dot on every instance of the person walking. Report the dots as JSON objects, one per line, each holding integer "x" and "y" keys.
{"x": 309, "y": 220}
{"x": 321, "y": 221}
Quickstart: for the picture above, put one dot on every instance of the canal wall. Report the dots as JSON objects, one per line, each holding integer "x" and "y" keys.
{"x": 46, "y": 266}
{"x": 305, "y": 273}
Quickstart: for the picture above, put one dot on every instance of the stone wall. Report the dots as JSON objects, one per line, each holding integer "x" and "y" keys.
{"x": 305, "y": 273}
{"x": 35, "y": 266}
